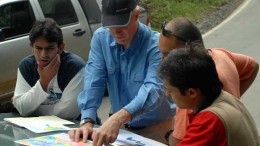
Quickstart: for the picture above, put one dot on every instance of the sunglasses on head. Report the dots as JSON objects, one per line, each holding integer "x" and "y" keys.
{"x": 168, "y": 33}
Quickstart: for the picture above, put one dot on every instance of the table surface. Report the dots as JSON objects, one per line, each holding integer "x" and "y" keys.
{"x": 10, "y": 133}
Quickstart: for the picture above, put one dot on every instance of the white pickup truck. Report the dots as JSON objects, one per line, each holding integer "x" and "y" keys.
{"x": 77, "y": 18}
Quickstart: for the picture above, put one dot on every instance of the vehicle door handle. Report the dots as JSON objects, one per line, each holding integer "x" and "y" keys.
{"x": 79, "y": 32}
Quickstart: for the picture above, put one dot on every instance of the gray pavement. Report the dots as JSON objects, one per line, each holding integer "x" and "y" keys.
{"x": 238, "y": 33}
{"x": 241, "y": 33}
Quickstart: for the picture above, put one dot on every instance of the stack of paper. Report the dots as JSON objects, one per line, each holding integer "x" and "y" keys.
{"x": 41, "y": 124}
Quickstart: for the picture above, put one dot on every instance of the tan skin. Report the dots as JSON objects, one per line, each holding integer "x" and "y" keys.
{"x": 109, "y": 130}
{"x": 245, "y": 84}
{"x": 190, "y": 100}
{"x": 47, "y": 56}
{"x": 174, "y": 94}
{"x": 166, "y": 44}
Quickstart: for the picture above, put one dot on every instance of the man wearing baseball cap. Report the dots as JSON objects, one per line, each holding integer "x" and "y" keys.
{"x": 124, "y": 55}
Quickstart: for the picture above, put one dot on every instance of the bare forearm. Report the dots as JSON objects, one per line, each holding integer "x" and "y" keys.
{"x": 245, "y": 84}
{"x": 122, "y": 116}
{"x": 109, "y": 130}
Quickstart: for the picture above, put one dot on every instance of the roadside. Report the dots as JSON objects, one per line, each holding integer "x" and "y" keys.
{"x": 241, "y": 34}
{"x": 205, "y": 14}
{"x": 212, "y": 19}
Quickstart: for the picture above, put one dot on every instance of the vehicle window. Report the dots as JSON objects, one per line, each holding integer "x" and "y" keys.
{"x": 16, "y": 19}
{"x": 91, "y": 10}
{"x": 61, "y": 11}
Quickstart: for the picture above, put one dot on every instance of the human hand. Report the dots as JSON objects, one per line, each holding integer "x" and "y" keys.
{"x": 107, "y": 133}
{"x": 47, "y": 73}
{"x": 85, "y": 130}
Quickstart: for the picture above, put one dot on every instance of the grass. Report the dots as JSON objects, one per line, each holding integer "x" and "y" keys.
{"x": 165, "y": 10}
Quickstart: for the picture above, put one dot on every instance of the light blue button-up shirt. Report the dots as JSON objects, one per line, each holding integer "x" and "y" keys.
{"x": 131, "y": 77}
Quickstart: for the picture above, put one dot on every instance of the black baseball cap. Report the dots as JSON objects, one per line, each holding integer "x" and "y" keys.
{"x": 117, "y": 13}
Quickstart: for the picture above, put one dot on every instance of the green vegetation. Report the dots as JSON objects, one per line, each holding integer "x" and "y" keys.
{"x": 165, "y": 10}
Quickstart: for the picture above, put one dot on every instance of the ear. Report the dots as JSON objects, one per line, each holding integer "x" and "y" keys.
{"x": 192, "y": 92}
{"x": 61, "y": 48}
{"x": 137, "y": 14}
{"x": 32, "y": 48}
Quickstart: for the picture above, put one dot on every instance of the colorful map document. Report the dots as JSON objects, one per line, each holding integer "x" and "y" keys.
{"x": 125, "y": 138}
{"x": 61, "y": 139}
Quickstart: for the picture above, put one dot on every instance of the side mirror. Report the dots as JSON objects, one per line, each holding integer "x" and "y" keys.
{"x": 2, "y": 37}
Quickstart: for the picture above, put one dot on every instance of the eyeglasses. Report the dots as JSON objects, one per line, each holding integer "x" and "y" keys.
{"x": 168, "y": 33}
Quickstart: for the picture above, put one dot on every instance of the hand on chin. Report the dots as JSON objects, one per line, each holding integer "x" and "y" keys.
{"x": 42, "y": 63}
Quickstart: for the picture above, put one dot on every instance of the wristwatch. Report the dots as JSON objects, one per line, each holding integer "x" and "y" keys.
{"x": 167, "y": 135}
{"x": 86, "y": 120}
